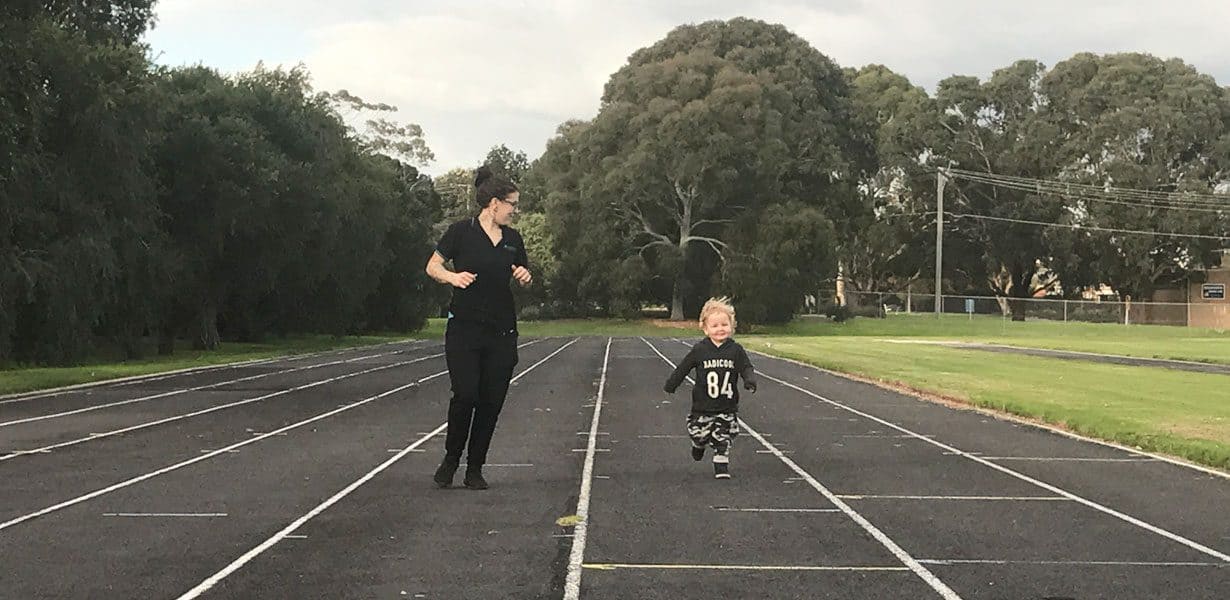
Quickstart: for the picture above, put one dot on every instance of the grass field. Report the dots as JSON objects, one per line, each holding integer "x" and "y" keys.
{"x": 1174, "y": 412}
{"x": 1145, "y": 341}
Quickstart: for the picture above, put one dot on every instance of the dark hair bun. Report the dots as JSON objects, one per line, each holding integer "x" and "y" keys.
{"x": 482, "y": 175}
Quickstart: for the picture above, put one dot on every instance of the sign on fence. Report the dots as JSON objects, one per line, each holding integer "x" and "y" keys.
{"x": 1213, "y": 291}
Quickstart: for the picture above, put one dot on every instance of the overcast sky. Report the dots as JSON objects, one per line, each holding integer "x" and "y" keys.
{"x": 477, "y": 74}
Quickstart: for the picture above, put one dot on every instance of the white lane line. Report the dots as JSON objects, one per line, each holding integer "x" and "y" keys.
{"x": 909, "y": 561}
{"x": 1015, "y": 419}
{"x": 232, "y": 448}
{"x": 922, "y": 572}
{"x": 683, "y": 567}
{"x": 98, "y": 436}
{"x": 138, "y": 379}
{"x": 572, "y": 584}
{"x": 885, "y": 436}
{"x": 238, "y": 563}
{"x": 1079, "y": 563}
{"x": 214, "y": 579}
{"x": 183, "y": 391}
{"x": 957, "y": 498}
{"x": 1070, "y": 459}
{"x": 126, "y": 381}
{"x": 1046, "y": 486}
{"x": 776, "y": 510}
{"x": 164, "y": 514}
{"x": 203, "y": 457}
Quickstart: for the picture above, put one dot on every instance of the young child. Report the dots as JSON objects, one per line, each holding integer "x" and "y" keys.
{"x": 719, "y": 361}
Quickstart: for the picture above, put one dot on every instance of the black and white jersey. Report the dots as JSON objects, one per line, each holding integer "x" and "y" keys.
{"x": 718, "y": 369}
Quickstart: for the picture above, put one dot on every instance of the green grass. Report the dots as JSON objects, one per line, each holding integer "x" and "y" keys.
{"x": 1178, "y": 413}
{"x": 1146, "y": 341}
{"x": 15, "y": 380}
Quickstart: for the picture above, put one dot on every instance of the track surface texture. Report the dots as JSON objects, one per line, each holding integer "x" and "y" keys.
{"x": 310, "y": 477}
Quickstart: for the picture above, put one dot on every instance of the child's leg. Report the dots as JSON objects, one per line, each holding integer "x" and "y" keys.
{"x": 700, "y": 430}
{"x": 725, "y": 428}
{"x": 722, "y": 432}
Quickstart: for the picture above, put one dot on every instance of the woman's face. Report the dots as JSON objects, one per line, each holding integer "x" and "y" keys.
{"x": 503, "y": 210}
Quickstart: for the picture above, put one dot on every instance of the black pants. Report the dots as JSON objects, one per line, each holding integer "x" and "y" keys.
{"x": 480, "y": 364}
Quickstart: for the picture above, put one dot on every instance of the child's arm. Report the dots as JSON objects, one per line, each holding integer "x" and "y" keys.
{"x": 746, "y": 371}
{"x": 685, "y": 366}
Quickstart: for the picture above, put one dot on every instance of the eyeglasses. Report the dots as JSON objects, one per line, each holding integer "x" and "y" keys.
{"x": 512, "y": 203}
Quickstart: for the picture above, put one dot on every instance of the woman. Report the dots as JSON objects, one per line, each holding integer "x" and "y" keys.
{"x": 480, "y": 342}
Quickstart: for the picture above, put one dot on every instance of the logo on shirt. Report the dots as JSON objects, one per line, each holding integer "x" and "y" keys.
{"x": 719, "y": 363}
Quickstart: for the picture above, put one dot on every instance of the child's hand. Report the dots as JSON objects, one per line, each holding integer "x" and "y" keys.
{"x": 750, "y": 386}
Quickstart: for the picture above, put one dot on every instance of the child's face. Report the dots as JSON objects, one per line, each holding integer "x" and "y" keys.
{"x": 717, "y": 327}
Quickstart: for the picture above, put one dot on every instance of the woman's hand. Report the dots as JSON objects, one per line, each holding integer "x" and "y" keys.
{"x": 522, "y": 275}
{"x": 462, "y": 280}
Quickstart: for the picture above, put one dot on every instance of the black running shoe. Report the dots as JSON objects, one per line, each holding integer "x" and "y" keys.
{"x": 474, "y": 479}
{"x": 444, "y": 474}
{"x": 698, "y": 453}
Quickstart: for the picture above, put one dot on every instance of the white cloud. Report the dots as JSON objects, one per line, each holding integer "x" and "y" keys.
{"x": 478, "y": 74}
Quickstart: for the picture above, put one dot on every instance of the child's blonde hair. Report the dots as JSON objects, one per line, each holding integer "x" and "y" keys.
{"x": 718, "y": 305}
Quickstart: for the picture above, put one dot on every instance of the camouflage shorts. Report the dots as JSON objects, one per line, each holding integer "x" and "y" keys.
{"x": 717, "y": 430}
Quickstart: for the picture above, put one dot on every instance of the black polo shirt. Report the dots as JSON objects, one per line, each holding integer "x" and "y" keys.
{"x": 718, "y": 369}
{"x": 489, "y": 299}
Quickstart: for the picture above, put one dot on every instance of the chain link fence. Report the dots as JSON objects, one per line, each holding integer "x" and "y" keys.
{"x": 1051, "y": 309}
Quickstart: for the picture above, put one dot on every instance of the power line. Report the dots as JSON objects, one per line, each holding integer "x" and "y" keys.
{"x": 1084, "y": 189}
{"x": 1063, "y": 189}
{"x": 1137, "y": 198}
{"x": 1188, "y": 208}
{"x": 1090, "y": 228}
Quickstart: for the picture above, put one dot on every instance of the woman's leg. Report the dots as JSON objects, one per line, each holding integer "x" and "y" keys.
{"x": 493, "y": 379}
{"x": 463, "y": 353}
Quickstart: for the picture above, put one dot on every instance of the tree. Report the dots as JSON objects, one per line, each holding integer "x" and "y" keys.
{"x": 886, "y": 246}
{"x": 791, "y": 241}
{"x": 456, "y": 189}
{"x": 507, "y": 163}
{"x": 76, "y": 123}
{"x": 585, "y": 262}
{"x": 714, "y": 122}
{"x": 404, "y": 142}
{"x": 1127, "y": 121}
{"x": 137, "y": 201}
{"x": 283, "y": 218}
{"x": 1136, "y": 121}
{"x": 994, "y": 127}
